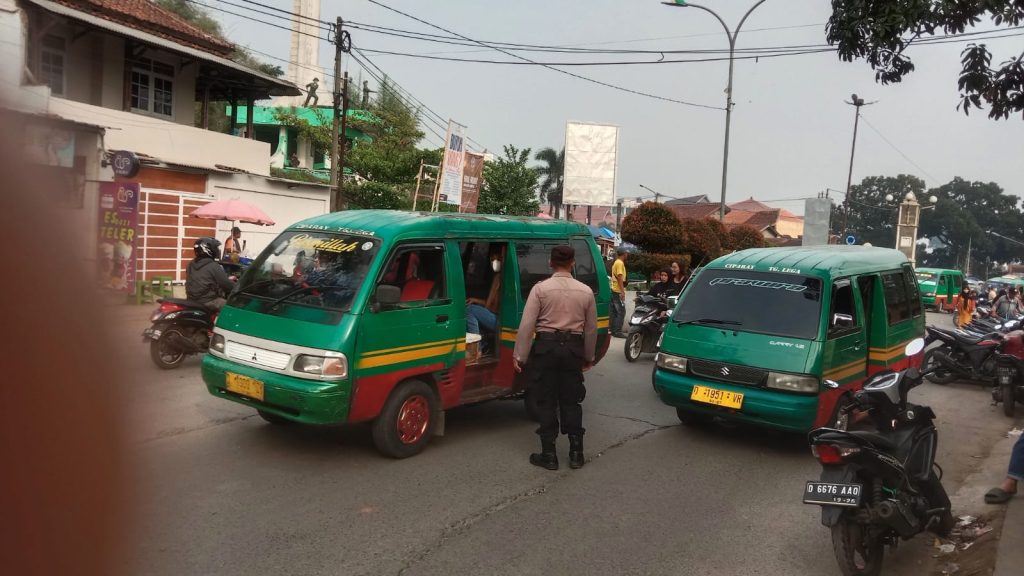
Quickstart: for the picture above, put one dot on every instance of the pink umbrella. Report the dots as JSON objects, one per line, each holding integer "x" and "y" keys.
{"x": 234, "y": 210}
{"x": 543, "y": 215}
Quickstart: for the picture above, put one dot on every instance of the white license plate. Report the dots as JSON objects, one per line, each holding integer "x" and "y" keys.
{"x": 832, "y": 494}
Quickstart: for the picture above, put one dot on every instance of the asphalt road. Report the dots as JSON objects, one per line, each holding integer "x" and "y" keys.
{"x": 223, "y": 493}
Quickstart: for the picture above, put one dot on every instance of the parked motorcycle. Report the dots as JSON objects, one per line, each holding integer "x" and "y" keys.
{"x": 962, "y": 354}
{"x": 646, "y": 324}
{"x": 879, "y": 487}
{"x": 1009, "y": 388}
{"x": 180, "y": 328}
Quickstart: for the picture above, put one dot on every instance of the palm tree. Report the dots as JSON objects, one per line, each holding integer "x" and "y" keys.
{"x": 552, "y": 170}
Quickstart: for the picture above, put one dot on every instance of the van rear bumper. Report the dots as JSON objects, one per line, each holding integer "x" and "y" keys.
{"x": 305, "y": 401}
{"x": 769, "y": 408}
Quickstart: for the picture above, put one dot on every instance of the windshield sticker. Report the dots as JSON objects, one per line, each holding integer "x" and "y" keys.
{"x": 367, "y": 246}
{"x": 335, "y": 229}
{"x": 338, "y": 245}
{"x": 760, "y": 284}
{"x": 784, "y": 270}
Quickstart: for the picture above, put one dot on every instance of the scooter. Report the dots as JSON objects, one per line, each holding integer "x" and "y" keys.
{"x": 180, "y": 328}
{"x": 879, "y": 487}
{"x": 646, "y": 324}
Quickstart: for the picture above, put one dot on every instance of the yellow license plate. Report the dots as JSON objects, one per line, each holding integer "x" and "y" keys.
{"x": 717, "y": 397}
{"x": 245, "y": 386}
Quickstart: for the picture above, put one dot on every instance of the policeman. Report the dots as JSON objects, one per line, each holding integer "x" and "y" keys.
{"x": 560, "y": 325}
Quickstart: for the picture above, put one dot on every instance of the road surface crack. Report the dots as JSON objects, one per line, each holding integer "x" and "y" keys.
{"x": 631, "y": 419}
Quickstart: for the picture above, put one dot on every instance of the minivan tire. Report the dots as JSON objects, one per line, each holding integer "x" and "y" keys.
{"x": 406, "y": 422}
{"x": 692, "y": 419}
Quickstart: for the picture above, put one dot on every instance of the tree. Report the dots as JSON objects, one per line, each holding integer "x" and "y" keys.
{"x": 553, "y": 173}
{"x": 654, "y": 228}
{"x": 871, "y": 217}
{"x": 510, "y": 186}
{"x": 743, "y": 237}
{"x": 880, "y": 31}
{"x": 701, "y": 240}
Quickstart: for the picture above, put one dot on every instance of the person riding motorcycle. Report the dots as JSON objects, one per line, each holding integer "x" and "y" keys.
{"x": 207, "y": 283}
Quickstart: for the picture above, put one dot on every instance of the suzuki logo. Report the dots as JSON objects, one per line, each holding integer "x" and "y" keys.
{"x": 725, "y": 370}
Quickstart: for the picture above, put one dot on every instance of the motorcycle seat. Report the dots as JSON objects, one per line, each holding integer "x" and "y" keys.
{"x": 974, "y": 339}
{"x": 875, "y": 439}
{"x": 185, "y": 303}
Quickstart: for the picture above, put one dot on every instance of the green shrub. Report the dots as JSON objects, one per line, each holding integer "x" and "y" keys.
{"x": 743, "y": 237}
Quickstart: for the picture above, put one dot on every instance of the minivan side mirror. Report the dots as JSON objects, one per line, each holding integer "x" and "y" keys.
{"x": 842, "y": 320}
{"x": 387, "y": 295}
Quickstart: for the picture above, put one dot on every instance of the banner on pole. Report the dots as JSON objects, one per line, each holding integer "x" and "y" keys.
{"x": 472, "y": 178}
{"x": 118, "y": 238}
{"x": 590, "y": 164}
{"x": 453, "y": 164}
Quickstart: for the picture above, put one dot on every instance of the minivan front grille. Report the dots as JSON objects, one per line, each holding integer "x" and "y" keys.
{"x": 731, "y": 373}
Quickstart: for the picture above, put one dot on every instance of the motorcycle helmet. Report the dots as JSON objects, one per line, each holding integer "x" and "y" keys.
{"x": 207, "y": 247}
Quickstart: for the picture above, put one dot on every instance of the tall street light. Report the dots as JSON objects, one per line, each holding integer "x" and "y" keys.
{"x": 856, "y": 103}
{"x": 732, "y": 34}
{"x": 656, "y": 194}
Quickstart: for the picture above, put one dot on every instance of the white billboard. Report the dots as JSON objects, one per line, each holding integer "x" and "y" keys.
{"x": 453, "y": 165}
{"x": 590, "y": 164}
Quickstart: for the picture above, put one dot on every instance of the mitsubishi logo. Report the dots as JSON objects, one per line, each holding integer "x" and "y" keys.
{"x": 254, "y": 357}
{"x": 725, "y": 370}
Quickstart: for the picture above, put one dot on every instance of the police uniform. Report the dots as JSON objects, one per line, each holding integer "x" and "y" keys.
{"x": 557, "y": 337}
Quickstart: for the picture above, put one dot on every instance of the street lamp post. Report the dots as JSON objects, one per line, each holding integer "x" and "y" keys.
{"x": 731, "y": 34}
{"x": 856, "y": 103}
{"x": 656, "y": 194}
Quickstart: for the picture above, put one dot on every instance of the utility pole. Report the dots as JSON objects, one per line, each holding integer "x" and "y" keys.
{"x": 342, "y": 44}
{"x": 342, "y": 142}
{"x": 618, "y": 216}
{"x": 967, "y": 272}
{"x": 856, "y": 103}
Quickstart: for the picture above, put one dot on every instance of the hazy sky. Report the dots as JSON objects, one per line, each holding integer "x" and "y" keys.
{"x": 791, "y": 130}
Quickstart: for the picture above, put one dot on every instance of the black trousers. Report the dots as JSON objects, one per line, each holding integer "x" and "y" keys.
{"x": 556, "y": 384}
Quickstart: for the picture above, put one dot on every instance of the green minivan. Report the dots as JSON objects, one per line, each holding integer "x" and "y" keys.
{"x": 940, "y": 288}
{"x": 779, "y": 336}
{"x": 361, "y": 316}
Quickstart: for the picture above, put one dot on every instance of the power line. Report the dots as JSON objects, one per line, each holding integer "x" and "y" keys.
{"x": 591, "y": 80}
{"x": 894, "y": 147}
{"x": 251, "y": 19}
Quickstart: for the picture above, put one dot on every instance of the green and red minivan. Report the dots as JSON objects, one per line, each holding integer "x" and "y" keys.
{"x": 361, "y": 316}
{"x": 779, "y": 336}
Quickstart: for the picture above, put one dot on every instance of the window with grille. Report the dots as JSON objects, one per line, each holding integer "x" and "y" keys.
{"x": 152, "y": 87}
{"x": 51, "y": 63}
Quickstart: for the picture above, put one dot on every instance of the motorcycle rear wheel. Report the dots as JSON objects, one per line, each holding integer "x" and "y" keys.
{"x": 939, "y": 376}
{"x": 634, "y": 345}
{"x": 857, "y": 554}
{"x": 165, "y": 357}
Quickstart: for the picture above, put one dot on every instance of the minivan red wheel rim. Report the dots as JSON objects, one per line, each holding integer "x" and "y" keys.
{"x": 413, "y": 418}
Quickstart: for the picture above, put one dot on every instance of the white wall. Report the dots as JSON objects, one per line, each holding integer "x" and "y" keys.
{"x": 168, "y": 141}
{"x": 12, "y": 55}
{"x": 283, "y": 204}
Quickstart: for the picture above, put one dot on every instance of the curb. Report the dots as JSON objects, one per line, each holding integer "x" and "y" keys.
{"x": 1010, "y": 555}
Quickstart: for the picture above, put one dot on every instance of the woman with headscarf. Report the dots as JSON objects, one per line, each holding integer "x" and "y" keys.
{"x": 965, "y": 307}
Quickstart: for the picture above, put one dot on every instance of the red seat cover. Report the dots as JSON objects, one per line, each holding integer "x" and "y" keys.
{"x": 417, "y": 290}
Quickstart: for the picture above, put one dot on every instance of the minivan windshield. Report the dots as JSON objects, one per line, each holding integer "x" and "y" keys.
{"x": 310, "y": 269}
{"x": 750, "y": 301}
{"x": 926, "y": 277}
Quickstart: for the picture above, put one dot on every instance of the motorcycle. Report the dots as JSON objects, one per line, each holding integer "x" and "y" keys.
{"x": 1009, "y": 388}
{"x": 180, "y": 328}
{"x": 879, "y": 487}
{"x": 962, "y": 354}
{"x": 646, "y": 324}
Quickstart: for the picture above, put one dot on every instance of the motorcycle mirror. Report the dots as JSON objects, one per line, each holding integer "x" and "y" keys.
{"x": 831, "y": 384}
{"x": 914, "y": 347}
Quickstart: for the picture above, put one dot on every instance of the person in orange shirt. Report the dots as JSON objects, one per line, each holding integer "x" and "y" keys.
{"x": 965, "y": 307}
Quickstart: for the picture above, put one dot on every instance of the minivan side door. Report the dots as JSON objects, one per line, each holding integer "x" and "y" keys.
{"x": 845, "y": 360}
{"x": 417, "y": 335}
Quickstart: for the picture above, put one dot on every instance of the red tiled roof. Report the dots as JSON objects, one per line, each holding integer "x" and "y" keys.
{"x": 762, "y": 220}
{"x": 750, "y": 205}
{"x": 145, "y": 15}
{"x": 697, "y": 211}
{"x": 736, "y": 217}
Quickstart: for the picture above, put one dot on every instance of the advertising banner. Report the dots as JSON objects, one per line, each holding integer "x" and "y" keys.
{"x": 817, "y": 220}
{"x": 453, "y": 164}
{"x": 472, "y": 178}
{"x": 118, "y": 238}
{"x": 590, "y": 164}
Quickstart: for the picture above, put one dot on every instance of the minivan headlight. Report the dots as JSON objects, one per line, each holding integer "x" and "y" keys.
{"x": 671, "y": 362}
{"x": 332, "y": 365}
{"x": 217, "y": 342}
{"x": 792, "y": 382}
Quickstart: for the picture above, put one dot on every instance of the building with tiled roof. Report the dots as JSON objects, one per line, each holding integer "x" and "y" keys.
{"x": 698, "y": 211}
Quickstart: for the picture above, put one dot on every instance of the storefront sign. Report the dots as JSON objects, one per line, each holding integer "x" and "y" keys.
{"x": 125, "y": 164}
{"x": 118, "y": 238}
{"x": 472, "y": 178}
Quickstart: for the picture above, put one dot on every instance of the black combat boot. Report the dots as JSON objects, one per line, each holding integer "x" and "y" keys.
{"x": 546, "y": 458}
{"x": 576, "y": 451}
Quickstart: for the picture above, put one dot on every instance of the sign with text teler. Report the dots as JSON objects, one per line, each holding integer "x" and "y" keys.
{"x": 453, "y": 164}
{"x": 118, "y": 238}
{"x": 472, "y": 179}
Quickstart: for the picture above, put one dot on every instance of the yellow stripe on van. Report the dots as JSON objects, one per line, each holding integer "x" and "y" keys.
{"x": 885, "y": 354}
{"x": 411, "y": 347}
{"x": 384, "y": 360}
{"x": 854, "y": 370}
{"x": 834, "y": 372}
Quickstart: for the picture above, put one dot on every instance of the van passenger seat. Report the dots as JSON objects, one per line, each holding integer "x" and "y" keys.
{"x": 415, "y": 290}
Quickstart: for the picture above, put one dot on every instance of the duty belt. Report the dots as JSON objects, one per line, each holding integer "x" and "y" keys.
{"x": 562, "y": 337}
